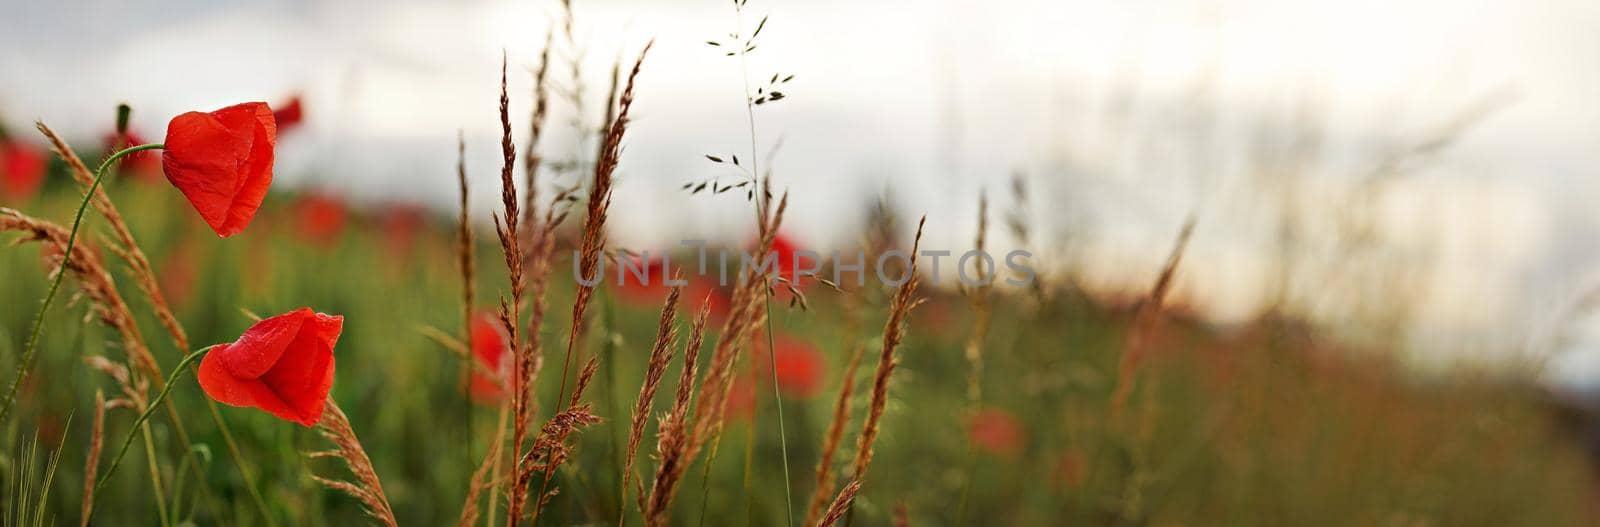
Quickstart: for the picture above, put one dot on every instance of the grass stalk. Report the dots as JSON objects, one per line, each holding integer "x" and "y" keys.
{"x": 55, "y": 284}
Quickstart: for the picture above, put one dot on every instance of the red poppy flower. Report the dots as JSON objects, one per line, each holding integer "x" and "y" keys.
{"x": 799, "y": 366}
{"x": 142, "y": 166}
{"x": 289, "y": 114}
{"x": 321, "y": 217}
{"x": 647, "y": 292}
{"x": 741, "y": 399}
{"x": 283, "y": 364}
{"x": 222, "y": 162}
{"x": 786, "y": 249}
{"x": 704, "y": 289}
{"x": 490, "y": 342}
{"x": 996, "y": 432}
{"x": 401, "y": 223}
{"x": 21, "y": 170}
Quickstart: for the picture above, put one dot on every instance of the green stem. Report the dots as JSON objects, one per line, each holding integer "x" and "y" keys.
{"x": 238, "y": 462}
{"x": 55, "y": 285}
{"x": 705, "y": 476}
{"x": 172, "y": 381}
{"x": 783, "y": 434}
{"x": 749, "y": 463}
{"x": 761, "y": 217}
{"x": 609, "y": 351}
{"x": 155, "y": 470}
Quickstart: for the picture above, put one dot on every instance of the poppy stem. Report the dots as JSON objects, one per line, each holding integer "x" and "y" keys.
{"x": 55, "y": 285}
{"x": 150, "y": 408}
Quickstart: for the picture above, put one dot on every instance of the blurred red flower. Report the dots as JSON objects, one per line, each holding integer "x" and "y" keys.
{"x": 490, "y": 342}
{"x": 401, "y": 223}
{"x": 703, "y": 289}
{"x": 282, "y": 364}
{"x": 741, "y": 398}
{"x": 650, "y": 291}
{"x": 50, "y": 429}
{"x": 289, "y": 114}
{"x": 1069, "y": 470}
{"x": 799, "y": 363}
{"x": 22, "y": 170}
{"x": 143, "y": 166}
{"x": 222, "y": 162}
{"x": 996, "y": 432}
{"x": 786, "y": 249}
{"x": 320, "y": 217}
{"x": 178, "y": 272}
{"x": 936, "y": 315}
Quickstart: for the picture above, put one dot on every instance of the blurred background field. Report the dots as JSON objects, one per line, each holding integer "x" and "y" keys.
{"x": 1262, "y": 424}
{"x": 1385, "y": 315}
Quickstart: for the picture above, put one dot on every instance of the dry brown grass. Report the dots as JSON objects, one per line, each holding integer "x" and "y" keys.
{"x": 530, "y": 158}
{"x": 94, "y": 281}
{"x": 841, "y": 504}
{"x": 144, "y": 276}
{"x": 592, "y": 241}
{"x": 540, "y": 258}
{"x": 1019, "y": 220}
{"x": 506, "y": 228}
{"x": 485, "y": 477}
{"x": 92, "y": 460}
{"x": 744, "y": 315}
{"x": 979, "y": 297}
{"x": 672, "y": 439}
{"x": 893, "y": 332}
{"x": 611, "y": 105}
{"x": 1145, "y": 322}
{"x": 655, "y": 369}
{"x": 551, "y": 448}
{"x": 528, "y": 270}
{"x": 335, "y": 427}
{"x": 464, "y": 245}
{"x": 591, "y": 244}
{"x": 466, "y": 266}
{"x": 834, "y": 436}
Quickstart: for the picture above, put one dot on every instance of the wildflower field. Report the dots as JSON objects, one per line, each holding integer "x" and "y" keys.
{"x": 185, "y": 342}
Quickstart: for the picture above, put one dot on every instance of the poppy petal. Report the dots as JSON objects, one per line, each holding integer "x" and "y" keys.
{"x": 302, "y": 378}
{"x": 489, "y": 344}
{"x": 263, "y": 344}
{"x": 484, "y": 389}
{"x": 256, "y": 168}
{"x": 328, "y": 327}
{"x": 283, "y": 364}
{"x": 233, "y": 391}
{"x": 222, "y": 162}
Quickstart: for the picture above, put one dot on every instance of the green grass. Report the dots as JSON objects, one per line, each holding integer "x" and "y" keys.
{"x": 1265, "y": 425}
